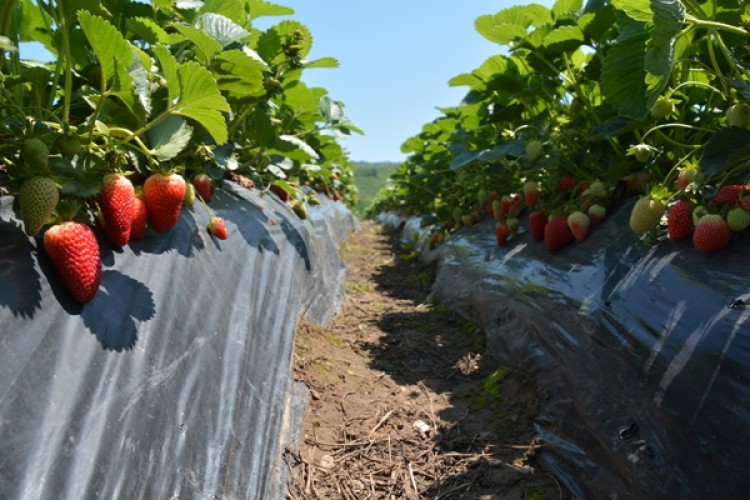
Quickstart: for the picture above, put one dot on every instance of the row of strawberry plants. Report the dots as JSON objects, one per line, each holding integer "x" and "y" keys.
{"x": 146, "y": 108}
{"x": 587, "y": 105}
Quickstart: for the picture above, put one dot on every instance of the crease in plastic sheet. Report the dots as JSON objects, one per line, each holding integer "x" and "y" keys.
{"x": 643, "y": 349}
{"x": 175, "y": 381}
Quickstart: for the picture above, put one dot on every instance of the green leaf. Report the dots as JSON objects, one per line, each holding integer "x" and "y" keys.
{"x": 564, "y": 39}
{"x": 623, "y": 79}
{"x": 234, "y": 10}
{"x": 669, "y": 17}
{"x": 640, "y": 10}
{"x": 466, "y": 79}
{"x": 206, "y": 45}
{"x": 300, "y": 144}
{"x": 501, "y": 33}
{"x": 239, "y": 74}
{"x": 170, "y": 68}
{"x": 412, "y": 145}
{"x": 225, "y": 158}
{"x": 597, "y": 23}
{"x": 727, "y": 147}
{"x": 221, "y": 28}
{"x": 115, "y": 54}
{"x": 147, "y": 29}
{"x": 201, "y": 100}
{"x": 169, "y": 138}
{"x": 562, "y": 7}
{"x": 323, "y": 62}
{"x": 259, "y": 8}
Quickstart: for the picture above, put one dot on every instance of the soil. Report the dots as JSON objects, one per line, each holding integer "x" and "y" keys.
{"x": 405, "y": 403}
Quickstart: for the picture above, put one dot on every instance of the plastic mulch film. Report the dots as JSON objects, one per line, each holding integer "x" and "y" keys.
{"x": 643, "y": 351}
{"x": 174, "y": 382}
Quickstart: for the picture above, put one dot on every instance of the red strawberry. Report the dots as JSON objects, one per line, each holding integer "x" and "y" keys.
{"x": 566, "y": 183}
{"x": 218, "y": 228}
{"x": 537, "y": 221}
{"x": 202, "y": 184}
{"x": 502, "y": 232}
{"x": 283, "y": 195}
{"x": 140, "y": 217}
{"x": 680, "y": 220}
{"x": 116, "y": 203}
{"x": 711, "y": 233}
{"x": 557, "y": 233}
{"x": 163, "y": 195}
{"x": 729, "y": 194}
{"x": 74, "y": 252}
{"x": 745, "y": 200}
{"x": 579, "y": 222}
{"x": 597, "y": 213}
{"x": 505, "y": 202}
{"x": 531, "y": 193}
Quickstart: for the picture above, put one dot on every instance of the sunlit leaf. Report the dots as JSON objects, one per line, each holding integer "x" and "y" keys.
{"x": 169, "y": 138}
{"x": 201, "y": 100}
{"x": 115, "y": 54}
{"x": 323, "y": 62}
{"x": 234, "y": 10}
{"x": 147, "y": 29}
{"x": 640, "y": 10}
{"x": 222, "y": 29}
{"x": 260, "y": 8}
{"x": 206, "y": 45}
{"x": 300, "y": 144}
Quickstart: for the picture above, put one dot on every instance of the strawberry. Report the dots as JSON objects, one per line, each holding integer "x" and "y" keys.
{"x": 598, "y": 189}
{"x": 515, "y": 202}
{"x": 738, "y": 219}
{"x": 680, "y": 220}
{"x": 663, "y": 107}
{"x": 38, "y": 198}
{"x": 533, "y": 150}
{"x": 35, "y": 153}
{"x": 218, "y": 228}
{"x": 685, "y": 177}
{"x": 163, "y": 195}
{"x": 711, "y": 233}
{"x": 502, "y": 232}
{"x": 745, "y": 200}
{"x": 116, "y": 203}
{"x": 139, "y": 219}
{"x": 579, "y": 222}
{"x": 202, "y": 184}
{"x": 497, "y": 209}
{"x": 646, "y": 214}
{"x": 537, "y": 221}
{"x": 729, "y": 194}
{"x": 531, "y": 194}
{"x": 597, "y": 213}
{"x": 280, "y": 192}
{"x": 512, "y": 223}
{"x": 68, "y": 145}
{"x": 738, "y": 115}
{"x": 505, "y": 202}
{"x": 566, "y": 183}
{"x": 557, "y": 233}
{"x": 74, "y": 253}
{"x": 300, "y": 209}
{"x": 482, "y": 197}
{"x": 189, "y": 199}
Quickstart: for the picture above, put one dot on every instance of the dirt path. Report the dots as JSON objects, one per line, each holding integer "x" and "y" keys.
{"x": 404, "y": 402}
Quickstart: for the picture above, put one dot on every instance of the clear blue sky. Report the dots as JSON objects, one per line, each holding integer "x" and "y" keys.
{"x": 395, "y": 61}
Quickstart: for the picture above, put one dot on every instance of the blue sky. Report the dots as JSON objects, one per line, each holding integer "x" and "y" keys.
{"x": 395, "y": 61}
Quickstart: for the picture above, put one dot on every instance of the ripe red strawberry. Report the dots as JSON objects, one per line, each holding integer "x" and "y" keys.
{"x": 163, "y": 195}
{"x": 729, "y": 194}
{"x": 745, "y": 200}
{"x": 502, "y": 232}
{"x": 515, "y": 203}
{"x": 680, "y": 220}
{"x": 531, "y": 193}
{"x": 38, "y": 198}
{"x": 646, "y": 214}
{"x": 202, "y": 184}
{"x": 557, "y": 234}
{"x": 537, "y": 221}
{"x": 218, "y": 228}
{"x": 139, "y": 219}
{"x": 116, "y": 203}
{"x": 579, "y": 222}
{"x": 597, "y": 213}
{"x": 505, "y": 202}
{"x": 566, "y": 183}
{"x": 74, "y": 252}
{"x": 711, "y": 233}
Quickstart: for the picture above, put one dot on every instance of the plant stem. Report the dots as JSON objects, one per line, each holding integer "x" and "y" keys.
{"x": 65, "y": 35}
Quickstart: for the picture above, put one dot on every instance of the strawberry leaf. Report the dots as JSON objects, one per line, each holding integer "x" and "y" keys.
{"x": 623, "y": 78}
{"x": 169, "y": 138}
{"x": 205, "y": 45}
{"x": 639, "y": 10}
{"x": 222, "y": 29}
{"x": 147, "y": 29}
{"x": 201, "y": 100}
{"x": 323, "y": 62}
{"x": 238, "y": 74}
{"x": 727, "y": 147}
{"x": 234, "y": 10}
{"x": 259, "y": 8}
{"x": 115, "y": 54}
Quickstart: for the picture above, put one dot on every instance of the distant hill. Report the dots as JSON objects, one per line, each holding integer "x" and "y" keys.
{"x": 369, "y": 178}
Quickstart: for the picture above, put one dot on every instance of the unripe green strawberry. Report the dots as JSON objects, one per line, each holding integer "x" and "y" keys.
{"x": 300, "y": 209}
{"x": 646, "y": 214}
{"x": 35, "y": 153}
{"x": 698, "y": 213}
{"x": 711, "y": 233}
{"x": 189, "y": 199}
{"x": 38, "y": 198}
{"x": 497, "y": 210}
{"x": 738, "y": 219}
{"x": 218, "y": 228}
{"x": 482, "y": 197}
{"x": 68, "y": 145}
{"x": 512, "y": 223}
{"x": 579, "y": 222}
{"x": 597, "y": 213}
{"x": 598, "y": 189}
{"x": 74, "y": 252}
{"x": 533, "y": 150}
{"x": 116, "y": 203}
{"x": 163, "y": 195}
{"x": 313, "y": 200}
{"x": 738, "y": 115}
{"x": 642, "y": 152}
{"x": 663, "y": 107}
